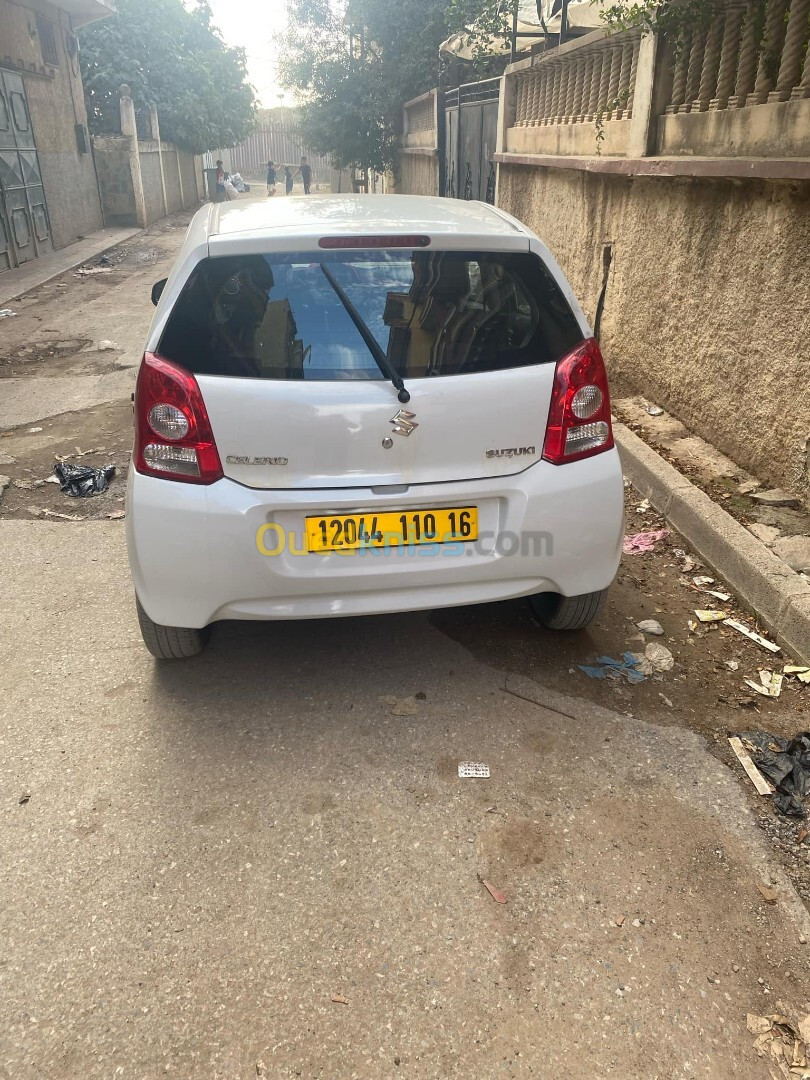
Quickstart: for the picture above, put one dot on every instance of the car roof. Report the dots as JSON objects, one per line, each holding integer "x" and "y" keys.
{"x": 327, "y": 215}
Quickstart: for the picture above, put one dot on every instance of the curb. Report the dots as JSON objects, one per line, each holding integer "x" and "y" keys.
{"x": 48, "y": 270}
{"x": 776, "y": 594}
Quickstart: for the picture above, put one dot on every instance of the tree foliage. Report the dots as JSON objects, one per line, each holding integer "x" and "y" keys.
{"x": 353, "y": 66}
{"x": 171, "y": 58}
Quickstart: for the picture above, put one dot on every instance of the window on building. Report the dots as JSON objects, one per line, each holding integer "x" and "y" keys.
{"x": 47, "y": 41}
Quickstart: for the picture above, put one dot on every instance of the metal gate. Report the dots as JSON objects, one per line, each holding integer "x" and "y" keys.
{"x": 25, "y": 230}
{"x": 471, "y": 125}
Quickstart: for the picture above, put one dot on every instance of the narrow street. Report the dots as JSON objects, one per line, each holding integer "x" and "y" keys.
{"x": 261, "y": 862}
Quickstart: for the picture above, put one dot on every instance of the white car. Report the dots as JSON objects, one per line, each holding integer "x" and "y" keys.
{"x": 362, "y": 404}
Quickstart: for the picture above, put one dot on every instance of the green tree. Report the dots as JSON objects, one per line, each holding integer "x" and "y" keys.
{"x": 352, "y": 69}
{"x": 171, "y": 58}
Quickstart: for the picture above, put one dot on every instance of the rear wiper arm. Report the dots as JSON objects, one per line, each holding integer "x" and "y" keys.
{"x": 380, "y": 358}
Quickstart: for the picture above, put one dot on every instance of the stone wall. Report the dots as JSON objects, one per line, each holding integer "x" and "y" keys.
{"x": 707, "y": 297}
{"x": 56, "y": 104}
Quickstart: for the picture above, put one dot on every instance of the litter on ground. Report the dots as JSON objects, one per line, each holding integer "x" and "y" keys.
{"x": 655, "y": 410}
{"x": 785, "y": 763}
{"x": 606, "y": 667}
{"x": 634, "y": 667}
{"x": 473, "y": 768}
{"x": 643, "y": 541}
{"x": 706, "y": 615}
{"x": 753, "y": 635}
{"x": 769, "y": 685}
{"x": 7, "y": 313}
{"x": 651, "y": 626}
{"x": 81, "y": 481}
{"x": 722, "y": 596}
{"x": 754, "y": 775}
{"x": 493, "y": 891}
{"x": 701, "y": 580}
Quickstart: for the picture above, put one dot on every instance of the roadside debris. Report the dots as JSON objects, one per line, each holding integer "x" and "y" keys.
{"x": 702, "y": 580}
{"x": 650, "y": 626}
{"x": 619, "y": 920}
{"x": 116, "y": 515}
{"x": 708, "y": 616}
{"x": 754, "y": 775}
{"x": 606, "y": 667}
{"x": 643, "y": 506}
{"x": 43, "y": 511}
{"x": 724, "y": 597}
{"x": 732, "y": 665}
{"x": 339, "y": 999}
{"x": 82, "y": 481}
{"x": 473, "y": 768}
{"x": 106, "y": 346}
{"x": 801, "y": 672}
{"x": 655, "y": 410}
{"x": 656, "y": 658}
{"x": 494, "y": 892}
{"x": 753, "y": 635}
{"x": 783, "y": 1040}
{"x": 34, "y": 430}
{"x": 769, "y": 685}
{"x": 643, "y": 541}
{"x": 89, "y": 271}
{"x": 7, "y": 313}
{"x": 785, "y": 763}
{"x": 400, "y": 706}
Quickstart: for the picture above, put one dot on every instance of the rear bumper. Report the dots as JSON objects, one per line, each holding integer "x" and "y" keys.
{"x": 196, "y": 552}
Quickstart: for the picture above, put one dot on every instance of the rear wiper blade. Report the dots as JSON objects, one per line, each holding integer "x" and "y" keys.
{"x": 380, "y": 358}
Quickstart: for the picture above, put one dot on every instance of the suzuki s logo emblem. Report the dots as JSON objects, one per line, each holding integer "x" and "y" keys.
{"x": 403, "y": 422}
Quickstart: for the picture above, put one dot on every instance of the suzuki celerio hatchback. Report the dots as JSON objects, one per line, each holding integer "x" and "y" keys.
{"x": 353, "y": 405}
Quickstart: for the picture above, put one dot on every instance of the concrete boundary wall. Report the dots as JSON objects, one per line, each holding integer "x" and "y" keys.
{"x": 705, "y": 288}
{"x": 143, "y": 180}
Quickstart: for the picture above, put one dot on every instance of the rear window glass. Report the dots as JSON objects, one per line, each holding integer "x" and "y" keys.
{"x": 304, "y": 316}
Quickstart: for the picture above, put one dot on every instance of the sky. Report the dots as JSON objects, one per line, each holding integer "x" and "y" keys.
{"x": 252, "y": 24}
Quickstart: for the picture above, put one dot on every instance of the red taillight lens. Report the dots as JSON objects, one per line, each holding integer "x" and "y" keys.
{"x": 173, "y": 437}
{"x": 579, "y": 416}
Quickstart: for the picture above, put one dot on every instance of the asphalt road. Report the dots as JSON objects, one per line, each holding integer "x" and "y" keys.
{"x": 262, "y": 862}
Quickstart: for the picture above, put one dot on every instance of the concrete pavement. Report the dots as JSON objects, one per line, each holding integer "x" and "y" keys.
{"x": 201, "y": 857}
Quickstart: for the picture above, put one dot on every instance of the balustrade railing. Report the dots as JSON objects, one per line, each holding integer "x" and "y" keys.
{"x": 745, "y": 56}
{"x": 596, "y": 80}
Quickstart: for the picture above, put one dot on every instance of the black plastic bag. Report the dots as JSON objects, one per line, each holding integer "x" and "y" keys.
{"x": 786, "y": 763}
{"x": 83, "y": 480}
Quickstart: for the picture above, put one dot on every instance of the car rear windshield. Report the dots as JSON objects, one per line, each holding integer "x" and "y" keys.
{"x": 302, "y": 316}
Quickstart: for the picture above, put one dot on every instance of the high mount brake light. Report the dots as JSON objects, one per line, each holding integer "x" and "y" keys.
{"x": 579, "y": 416}
{"x": 374, "y": 242}
{"x": 173, "y": 437}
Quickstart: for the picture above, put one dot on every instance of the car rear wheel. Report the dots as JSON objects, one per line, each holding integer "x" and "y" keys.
{"x": 567, "y": 612}
{"x": 170, "y": 642}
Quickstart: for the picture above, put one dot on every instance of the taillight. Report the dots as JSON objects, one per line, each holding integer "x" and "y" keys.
{"x": 579, "y": 417}
{"x": 173, "y": 437}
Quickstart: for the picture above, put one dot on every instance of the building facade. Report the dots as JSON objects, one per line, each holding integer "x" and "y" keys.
{"x": 48, "y": 189}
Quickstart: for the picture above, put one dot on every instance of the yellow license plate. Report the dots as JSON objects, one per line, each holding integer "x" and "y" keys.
{"x": 396, "y": 528}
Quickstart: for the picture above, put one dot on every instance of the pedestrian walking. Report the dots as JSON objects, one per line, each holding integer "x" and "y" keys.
{"x": 288, "y": 180}
{"x": 271, "y": 178}
{"x": 306, "y": 174}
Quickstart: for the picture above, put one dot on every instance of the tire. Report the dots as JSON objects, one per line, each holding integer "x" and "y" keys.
{"x": 170, "y": 642}
{"x": 567, "y": 612}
